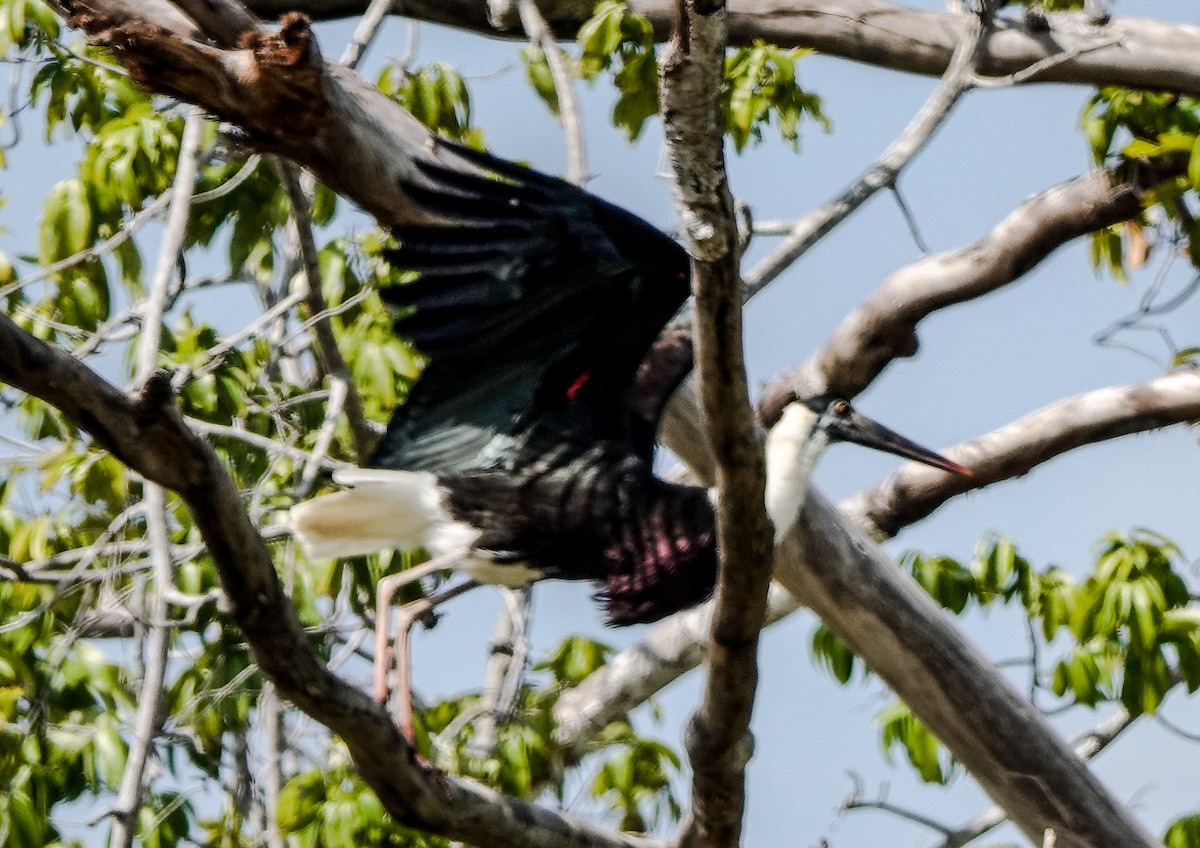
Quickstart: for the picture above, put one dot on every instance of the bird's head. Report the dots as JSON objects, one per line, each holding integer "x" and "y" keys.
{"x": 833, "y": 419}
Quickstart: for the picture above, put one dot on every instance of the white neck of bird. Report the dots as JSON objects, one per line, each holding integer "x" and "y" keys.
{"x": 793, "y": 447}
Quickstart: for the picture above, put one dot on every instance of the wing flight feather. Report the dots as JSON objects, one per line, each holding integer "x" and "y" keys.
{"x": 535, "y": 297}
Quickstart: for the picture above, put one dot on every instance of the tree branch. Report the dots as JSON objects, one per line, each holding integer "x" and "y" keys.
{"x": 541, "y": 38}
{"x": 149, "y": 719}
{"x": 882, "y": 173}
{"x": 1011, "y": 451}
{"x": 717, "y": 737}
{"x": 1135, "y": 52}
{"x": 883, "y": 327}
{"x": 329, "y": 355}
{"x": 896, "y": 628}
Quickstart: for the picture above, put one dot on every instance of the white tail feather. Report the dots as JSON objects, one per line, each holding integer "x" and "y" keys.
{"x": 383, "y": 509}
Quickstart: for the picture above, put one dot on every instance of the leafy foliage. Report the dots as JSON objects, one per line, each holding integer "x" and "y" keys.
{"x": 898, "y": 727}
{"x": 761, "y": 85}
{"x": 329, "y": 807}
{"x": 1183, "y": 833}
{"x": 1161, "y": 129}
{"x": 1129, "y": 633}
{"x": 436, "y": 95}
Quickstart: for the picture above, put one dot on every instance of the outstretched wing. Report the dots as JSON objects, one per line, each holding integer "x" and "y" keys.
{"x": 538, "y": 301}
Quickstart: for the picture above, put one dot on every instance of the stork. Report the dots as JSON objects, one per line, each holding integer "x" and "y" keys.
{"x": 524, "y": 450}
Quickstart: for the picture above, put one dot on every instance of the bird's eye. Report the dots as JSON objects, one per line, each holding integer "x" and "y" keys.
{"x": 840, "y": 407}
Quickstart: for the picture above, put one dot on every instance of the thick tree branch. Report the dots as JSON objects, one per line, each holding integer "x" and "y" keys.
{"x": 896, "y": 628}
{"x": 883, "y": 327}
{"x": 1136, "y": 52}
{"x": 148, "y": 434}
{"x": 717, "y": 737}
{"x": 1011, "y": 451}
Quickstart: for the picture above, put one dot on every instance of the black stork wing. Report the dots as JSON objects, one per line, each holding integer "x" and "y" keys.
{"x": 536, "y": 300}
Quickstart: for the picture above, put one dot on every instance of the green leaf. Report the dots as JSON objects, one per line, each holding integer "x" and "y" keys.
{"x": 833, "y": 654}
{"x": 900, "y": 728}
{"x": 1183, "y": 833}
{"x": 575, "y": 659}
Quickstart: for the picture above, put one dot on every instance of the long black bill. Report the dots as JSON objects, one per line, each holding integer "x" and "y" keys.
{"x": 861, "y": 430}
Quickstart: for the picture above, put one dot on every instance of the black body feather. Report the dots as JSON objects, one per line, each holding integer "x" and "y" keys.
{"x": 536, "y": 305}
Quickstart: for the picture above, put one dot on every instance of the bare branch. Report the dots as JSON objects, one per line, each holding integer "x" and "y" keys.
{"x": 541, "y": 38}
{"x": 264, "y": 443}
{"x": 911, "y": 494}
{"x": 1131, "y": 52}
{"x": 855, "y": 801}
{"x": 883, "y": 171}
{"x": 883, "y": 327}
{"x": 149, "y": 719}
{"x": 717, "y": 737}
{"x": 333, "y": 364}
{"x": 271, "y": 715}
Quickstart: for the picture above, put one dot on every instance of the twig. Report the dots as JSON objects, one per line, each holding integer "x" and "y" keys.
{"x": 328, "y": 353}
{"x": 265, "y": 443}
{"x": 882, "y": 173}
{"x": 541, "y": 38}
{"x": 366, "y": 31}
{"x": 505, "y": 666}
{"x": 118, "y": 238}
{"x": 149, "y": 718}
{"x": 244, "y": 173}
{"x": 324, "y": 315}
{"x": 1176, "y": 729}
{"x": 172, "y": 242}
{"x": 913, "y": 229}
{"x": 217, "y": 353}
{"x": 1042, "y": 65}
{"x": 333, "y": 411}
{"x": 854, "y": 801}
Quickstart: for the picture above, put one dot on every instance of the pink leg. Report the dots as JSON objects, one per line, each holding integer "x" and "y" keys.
{"x": 406, "y": 617}
{"x": 384, "y": 592}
